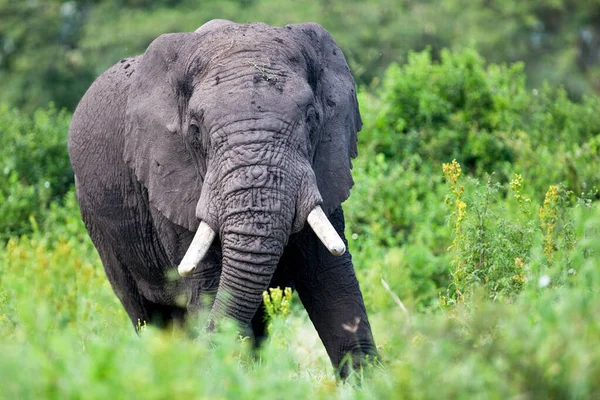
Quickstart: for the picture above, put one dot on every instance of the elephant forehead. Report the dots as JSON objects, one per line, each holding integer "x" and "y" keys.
{"x": 249, "y": 95}
{"x": 230, "y": 38}
{"x": 268, "y": 54}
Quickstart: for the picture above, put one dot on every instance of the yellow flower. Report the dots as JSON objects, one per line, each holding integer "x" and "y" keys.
{"x": 519, "y": 263}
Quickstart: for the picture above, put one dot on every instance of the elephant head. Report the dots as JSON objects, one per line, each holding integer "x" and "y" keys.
{"x": 246, "y": 132}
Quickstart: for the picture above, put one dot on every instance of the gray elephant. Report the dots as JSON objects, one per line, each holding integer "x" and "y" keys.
{"x": 226, "y": 153}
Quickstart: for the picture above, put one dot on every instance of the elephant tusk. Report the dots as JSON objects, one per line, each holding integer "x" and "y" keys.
{"x": 197, "y": 250}
{"x": 326, "y": 232}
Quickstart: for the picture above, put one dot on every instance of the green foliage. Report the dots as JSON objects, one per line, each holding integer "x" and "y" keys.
{"x": 427, "y": 112}
{"x": 40, "y": 60}
{"x": 446, "y": 110}
{"x": 484, "y": 117}
{"x": 277, "y": 304}
{"x": 387, "y": 221}
{"x": 493, "y": 240}
{"x": 65, "y": 44}
{"x": 60, "y": 322}
{"x": 498, "y": 350}
{"x": 34, "y": 167}
{"x": 497, "y": 241}
{"x": 277, "y": 301}
{"x": 555, "y": 222}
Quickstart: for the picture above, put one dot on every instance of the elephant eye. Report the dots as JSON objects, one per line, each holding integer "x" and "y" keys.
{"x": 194, "y": 130}
{"x": 312, "y": 116}
{"x": 194, "y": 135}
{"x": 312, "y": 124}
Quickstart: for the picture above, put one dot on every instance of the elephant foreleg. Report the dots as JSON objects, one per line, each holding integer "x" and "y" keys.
{"x": 140, "y": 310}
{"x": 329, "y": 290}
{"x": 124, "y": 286}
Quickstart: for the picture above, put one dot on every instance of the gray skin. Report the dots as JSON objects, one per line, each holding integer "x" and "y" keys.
{"x": 245, "y": 127}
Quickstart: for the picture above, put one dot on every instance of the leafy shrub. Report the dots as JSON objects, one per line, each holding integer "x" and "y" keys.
{"x": 446, "y": 110}
{"x": 388, "y": 220}
{"x": 484, "y": 117}
{"x": 34, "y": 166}
{"x": 427, "y": 112}
{"x": 490, "y": 248}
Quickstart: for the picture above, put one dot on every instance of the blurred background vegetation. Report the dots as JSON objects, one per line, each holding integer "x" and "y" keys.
{"x": 474, "y": 222}
{"x": 51, "y": 50}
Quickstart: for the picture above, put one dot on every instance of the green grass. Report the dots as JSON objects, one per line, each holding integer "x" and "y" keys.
{"x": 64, "y": 335}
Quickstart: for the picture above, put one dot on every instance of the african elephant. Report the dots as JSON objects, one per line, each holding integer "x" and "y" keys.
{"x": 209, "y": 153}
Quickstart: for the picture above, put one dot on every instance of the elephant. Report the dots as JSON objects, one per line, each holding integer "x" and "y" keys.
{"x": 215, "y": 164}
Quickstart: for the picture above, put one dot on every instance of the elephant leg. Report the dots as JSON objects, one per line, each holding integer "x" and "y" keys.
{"x": 140, "y": 310}
{"x": 110, "y": 249}
{"x": 124, "y": 286}
{"x": 259, "y": 326}
{"x": 163, "y": 316}
{"x": 330, "y": 292}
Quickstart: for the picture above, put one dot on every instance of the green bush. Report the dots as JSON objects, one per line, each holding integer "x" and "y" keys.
{"x": 484, "y": 117}
{"x": 34, "y": 166}
{"x": 489, "y": 349}
{"x": 428, "y": 112}
{"x": 387, "y": 225}
{"x": 447, "y": 109}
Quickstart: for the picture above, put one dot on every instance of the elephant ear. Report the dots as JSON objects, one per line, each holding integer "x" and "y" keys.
{"x": 335, "y": 88}
{"x": 155, "y": 148}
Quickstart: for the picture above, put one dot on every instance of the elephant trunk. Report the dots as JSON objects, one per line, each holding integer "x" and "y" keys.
{"x": 255, "y": 227}
{"x": 249, "y": 261}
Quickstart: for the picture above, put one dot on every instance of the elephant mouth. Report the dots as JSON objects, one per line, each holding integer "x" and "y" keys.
{"x": 205, "y": 235}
